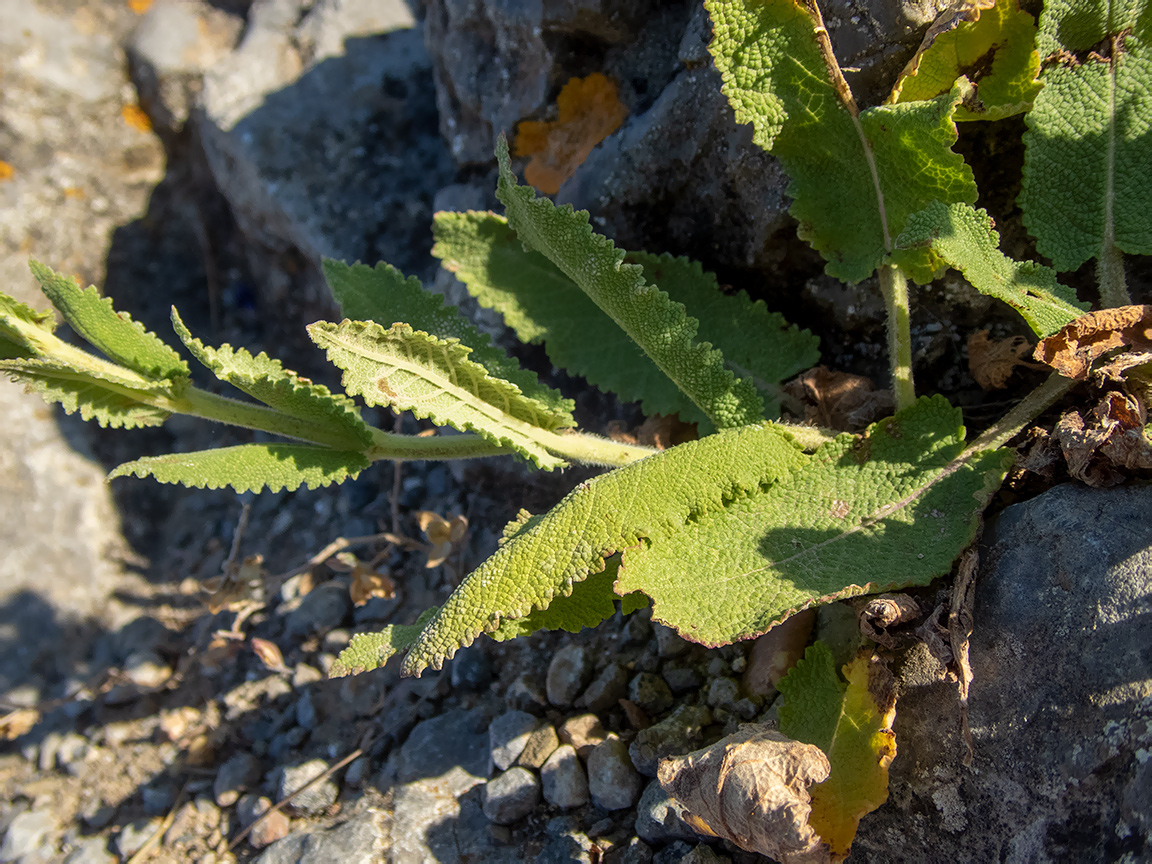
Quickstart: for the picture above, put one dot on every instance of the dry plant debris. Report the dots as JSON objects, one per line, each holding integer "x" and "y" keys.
{"x": 1074, "y": 349}
{"x": 588, "y": 112}
{"x": 839, "y": 400}
{"x": 992, "y": 361}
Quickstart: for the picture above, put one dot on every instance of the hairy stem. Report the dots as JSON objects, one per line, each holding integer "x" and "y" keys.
{"x": 1110, "y": 279}
{"x": 894, "y": 286}
{"x": 1029, "y": 408}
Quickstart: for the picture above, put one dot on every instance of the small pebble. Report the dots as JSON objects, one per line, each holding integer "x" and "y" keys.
{"x": 147, "y": 670}
{"x": 635, "y": 851}
{"x": 511, "y": 796}
{"x": 612, "y": 781}
{"x": 508, "y": 735}
{"x": 649, "y": 692}
{"x": 29, "y": 834}
{"x": 134, "y": 835}
{"x": 91, "y": 850}
{"x": 568, "y": 674}
{"x": 324, "y": 608}
{"x": 668, "y": 642}
{"x": 471, "y": 669}
{"x": 274, "y": 827}
{"x": 606, "y": 690}
{"x": 306, "y": 714}
{"x": 234, "y": 776}
{"x": 316, "y": 799}
{"x": 526, "y": 694}
{"x": 724, "y": 693}
{"x": 565, "y": 783}
{"x": 583, "y": 732}
{"x": 682, "y": 679}
{"x": 541, "y": 744}
{"x": 357, "y": 772}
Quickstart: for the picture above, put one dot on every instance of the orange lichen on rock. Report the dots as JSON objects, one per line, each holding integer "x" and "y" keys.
{"x": 588, "y": 111}
{"x": 135, "y": 117}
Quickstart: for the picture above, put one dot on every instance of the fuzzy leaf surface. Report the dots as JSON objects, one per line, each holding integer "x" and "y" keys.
{"x": 250, "y": 467}
{"x": 14, "y": 318}
{"x": 860, "y": 515}
{"x": 1088, "y": 148}
{"x": 993, "y": 44}
{"x": 119, "y": 337}
{"x": 852, "y": 723}
{"x": 647, "y": 501}
{"x": 410, "y": 370}
{"x": 543, "y": 305}
{"x": 368, "y": 651}
{"x": 660, "y": 326}
{"x": 264, "y": 378}
{"x": 888, "y": 161}
{"x": 109, "y": 400}
{"x": 964, "y": 237}
{"x": 383, "y": 295}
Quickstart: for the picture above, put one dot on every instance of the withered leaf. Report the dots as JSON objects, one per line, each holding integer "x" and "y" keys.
{"x": 368, "y": 583}
{"x": 887, "y": 610}
{"x": 269, "y": 654}
{"x": 751, "y": 788}
{"x": 991, "y": 361}
{"x": 839, "y": 400}
{"x": 659, "y": 431}
{"x": 1072, "y": 351}
{"x": 443, "y": 534}
{"x": 588, "y": 112}
{"x": 18, "y": 722}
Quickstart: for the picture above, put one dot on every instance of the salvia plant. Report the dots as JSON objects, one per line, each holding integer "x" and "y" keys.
{"x": 730, "y": 534}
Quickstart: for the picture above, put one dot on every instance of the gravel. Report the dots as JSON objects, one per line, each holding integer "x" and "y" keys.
{"x": 568, "y": 674}
{"x": 315, "y": 799}
{"x": 511, "y": 796}
{"x": 612, "y": 781}
{"x": 508, "y": 736}
{"x": 563, "y": 778}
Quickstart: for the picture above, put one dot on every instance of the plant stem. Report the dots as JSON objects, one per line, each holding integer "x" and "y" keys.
{"x": 221, "y": 409}
{"x": 581, "y": 447}
{"x": 1110, "y": 279}
{"x": 894, "y": 286}
{"x": 1029, "y": 408}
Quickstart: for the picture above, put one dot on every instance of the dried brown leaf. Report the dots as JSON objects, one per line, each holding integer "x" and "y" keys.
{"x": 887, "y": 610}
{"x": 751, "y": 788}
{"x": 368, "y": 583}
{"x": 659, "y": 431}
{"x": 443, "y": 534}
{"x": 839, "y": 400}
{"x": 992, "y": 361}
{"x": 1072, "y": 351}
{"x": 1079, "y": 445}
{"x": 18, "y": 722}
{"x": 269, "y": 654}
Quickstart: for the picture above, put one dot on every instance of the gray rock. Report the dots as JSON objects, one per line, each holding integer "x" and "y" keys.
{"x": 612, "y": 781}
{"x": 635, "y": 851}
{"x": 563, "y": 778}
{"x": 91, "y": 850}
{"x": 701, "y": 854}
{"x": 30, "y": 834}
{"x": 568, "y": 847}
{"x": 71, "y": 752}
{"x": 607, "y": 690}
{"x": 672, "y": 854}
{"x": 507, "y": 737}
{"x": 306, "y": 714}
{"x": 724, "y": 693}
{"x": 658, "y": 817}
{"x": 526, "y": 694}
{"x": 668, "y": 641}
{"x": 426, "y": 816}
{"x": 433, "y": 747}
{"x": 314, "y": 800}
{"x": 541, "y": 744}
{"x": 568, "y": 674}
{"x": 240, "y": 772}
{"x": 1059, "y": 706}
{"x": 322, "y": 609}
{"x": 471, "y": 669}
{"x": 357, "y": 841}
{"x": 134, "y": 835}
{"x": 511, "y": 796}
{"x": 358, "y": 772}
{"x": 681, "y": 679}
{"x": 680, "y": 732}
{"x": 649, "y": 691}
{"x": 251, "y": 807}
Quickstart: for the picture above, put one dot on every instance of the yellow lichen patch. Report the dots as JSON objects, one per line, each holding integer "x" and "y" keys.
{"x": 139, "y": 6}
{"x": 135, "y": 117}
{"x": 6, "y": 171}
{"x": 588, "y": 111}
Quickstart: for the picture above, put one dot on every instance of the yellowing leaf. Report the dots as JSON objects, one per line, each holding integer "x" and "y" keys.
{"x": 589, "y": 111}
{"x": 990, "y": 42}
{"x": 852, "y": 724}
{"x": 135, "y": 117}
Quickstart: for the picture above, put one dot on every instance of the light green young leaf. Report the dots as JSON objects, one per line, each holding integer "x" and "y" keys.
{"x": 119, "y": 337}
{"x": 250, "y": 467}
{"x": 965, "y": 239}
{"x": 644, "y": 502}
{"x": 852, "y": 724}
{"x": 410, "y": 370}
{"x": 368, "y": 651}
{"x": 383, "y": 295}
{"x": 14, "y": 317}
{"x": 993, "y": 44}
{"x": 589, "y": 603}
{"x": 264, "y": 378}
{"x": 1088, "y": 148}
{"x": 543, "y": 305}
{"x": 657, "y": 324}
{"x": 109, "y": 399}
{"x": 856, "y": 176}
{"x": 860, "y": 515}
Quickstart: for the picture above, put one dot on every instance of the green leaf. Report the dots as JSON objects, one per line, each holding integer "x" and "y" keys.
{"x": 965, "y": 239}
{"x": 541, "y": 304}
{"x": 644, "y": 502}
{"x": 657, "y": 324}
{"x": 110, "y": 400}
{"x": 368, "y": 651}
{"x": 993, "y": 47}
{"x": 119, "y": 337}
{"x": 383, "y": 295}
{"x": 858, "y": 516}
{"x": 250, "y": 467}
{"x": 856, "y": 177}
{"x": 1088, "y": 148}
{"x": 409, "y": 370}
{"x": 590, "y": 602}
{"x": 15, "y": 317}
{"x": 852, "y": 724}
{"x": 266, "y": 379}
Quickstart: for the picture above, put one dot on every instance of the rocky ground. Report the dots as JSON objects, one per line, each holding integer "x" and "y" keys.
{"x": 207, "y": 154}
